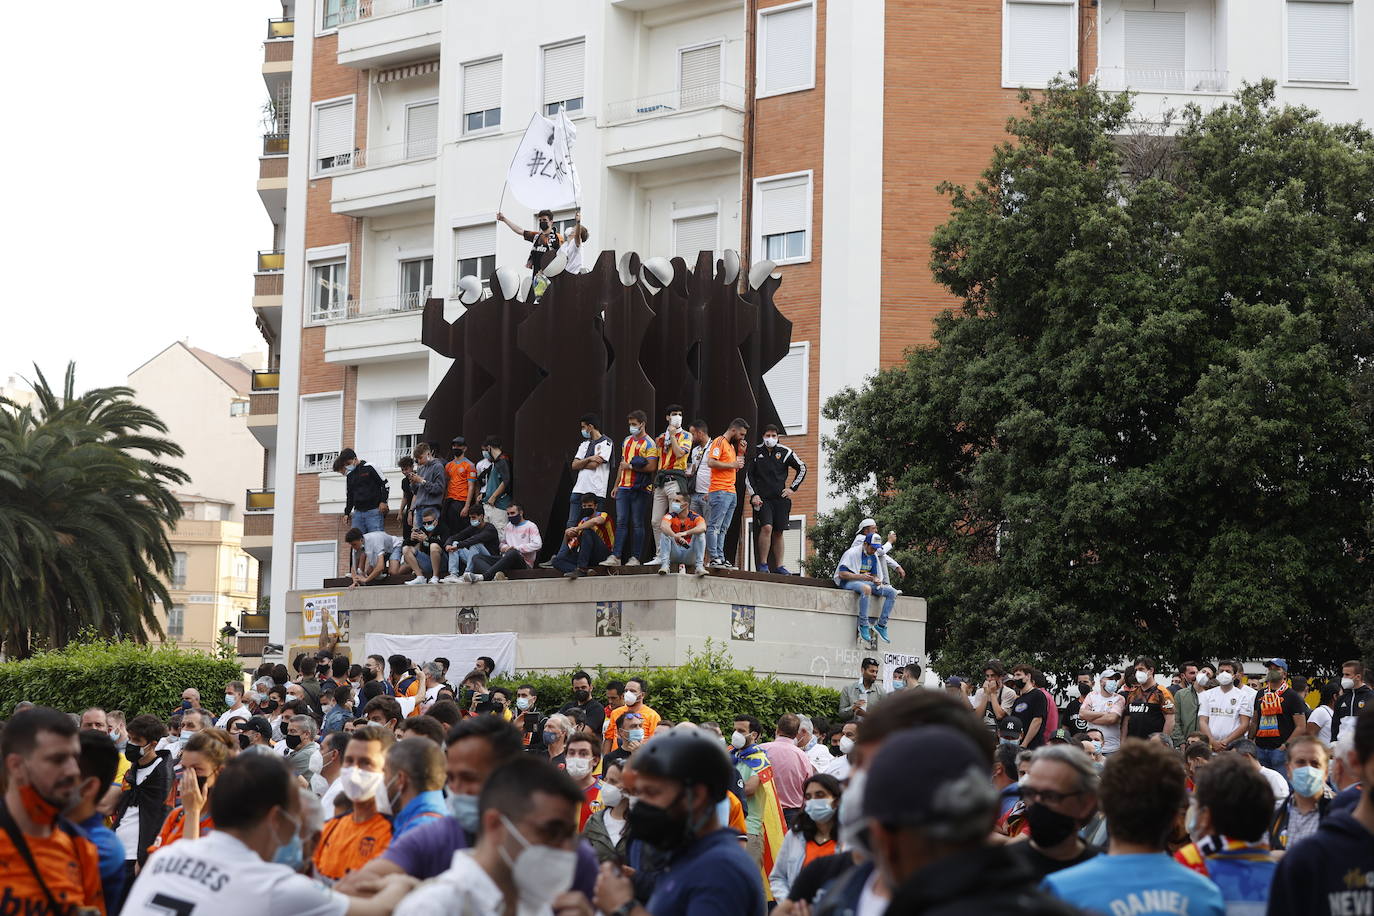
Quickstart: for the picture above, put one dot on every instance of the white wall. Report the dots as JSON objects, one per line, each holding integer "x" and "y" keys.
{"x": 388, "y": 240}
{"x": 386, "y": 114}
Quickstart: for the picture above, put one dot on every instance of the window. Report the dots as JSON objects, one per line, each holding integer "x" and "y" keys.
{"x": 410, "y": 429}
{"x": 179, "y": 570}
{"x": 1039, "y": 41}
{"x": 481, "y": 95}
{"x": 315, "y": 562}
{"x": 240, "y": 574}
{"x": 328, "y": 290}
{"x": 321, "y": 431}
{"x": 564, "y": 222}
{"x": 422, "y": 129}
{"x": 786, "y": 49}
{"x": 782, "y": 217}
{"x": 238, "y": 407}
{"x": 563, "y": 75}
{"x": 693, "y": 234}
{"x": 475, "y": 249}
{"x": 329, "y": 15}
{"x": 176, "y": 622}
{"x": 793, "y": 544}
{"x": 333, "y": 136}
{"x": 1319, "y": 41}
{"x": 787, "y": 385}
{"x": 417, "y": 277}
{"x": 1154, "y": 49}
{"x": 698, "y": 76}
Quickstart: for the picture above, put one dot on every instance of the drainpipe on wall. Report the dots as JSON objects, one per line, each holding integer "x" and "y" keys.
{"x": 746, "y": 222}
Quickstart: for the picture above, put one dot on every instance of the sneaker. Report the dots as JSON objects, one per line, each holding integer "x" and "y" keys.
{"x": 663, "y": 570}
{"x": 658, "y": 560}
{"x": 726, "y": 564}
{"x": 882, "y": 631}
{"x": 572, "y": 574}
{"x": 418, "y": 580}
{"x": 763, "y": 568}
{"x": 697, "y": 571}
{"x": 471, "y": 578}
{"x": 717, "y": 564}
{"x": 434, "y": 581}
{"x": 500, "y": 577}
{"x": 865, "y": 633}
{"x": 633, "y": 561}
{"x": 449, "y": 580}
{"x": 782, "y": 571}
{"x": 612, "y": 560}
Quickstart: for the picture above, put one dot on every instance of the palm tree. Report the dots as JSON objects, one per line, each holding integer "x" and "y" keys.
{"x": 84, "y": 514}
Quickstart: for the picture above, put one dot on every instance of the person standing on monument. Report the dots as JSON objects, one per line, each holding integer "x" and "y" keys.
{"x": 634, "y": 490}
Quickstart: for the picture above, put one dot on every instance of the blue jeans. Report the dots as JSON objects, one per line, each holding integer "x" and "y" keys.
{"x": 631, "y": 512}
{"x": 460, "y": 561}
{"x": 886, "y": 592}
{"x": 721, "y": 509}
{"x": 428, "y": 568}
{"x": 1275, "y": 758}
{"x": 366, "y": 520}
{"x": 674, "y": 553}
{"x": 590, "y": 551}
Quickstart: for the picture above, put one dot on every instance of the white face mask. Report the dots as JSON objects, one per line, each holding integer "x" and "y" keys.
{"x": 1225, "y": 679}
{"x": 359, "y": 785}
{"x": 770, "y": 441}
{"x": 577, "y": 767}
{"x": 1142, "y": 676}
{"x": 737, "y": 740}
{"x": 541, "y": 873}
{"x": 631, "y": 698}
{"x": 611, "y": 795}
{"x": 675, "y": 421}
{"x": 634, "y": 430}
{"x": 1347, "y": 683}
{"x": 1202, "y": 679}
{"x": 846, "y": 744}
{"x": 852, "y": 821}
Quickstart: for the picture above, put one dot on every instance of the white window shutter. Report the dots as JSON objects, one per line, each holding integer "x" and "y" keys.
{"x": 314, "y": 564}
{"x": 321, "y": 424}
{"x": 476, "y": 241}
{"x": 782, "y": 206}
{"x": 563, "y": 66}
{"x": 333, "y": 130}
{"x": 787, "y": 384}
{"x": 1155, "y": 56}
{"x": 408, "y": 422}
{"x": 788, "y": 46}
{"x": 422, "y": 129}
{"x": 1040, "y": 41}
{"x": 1319, "y": 41}
{"x": 693, "y": 235}
{"x": 482, "y": 86}
{"x": 699, "y": 76}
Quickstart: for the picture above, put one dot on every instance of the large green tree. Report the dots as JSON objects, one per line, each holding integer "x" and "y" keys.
{"x": 85, "y": 508}
{"x": 1146, "y": 428}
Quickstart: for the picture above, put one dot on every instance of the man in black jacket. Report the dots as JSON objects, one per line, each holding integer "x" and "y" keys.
{"x": 142, "y": 805}
{"x": 771, "y": 496}
{"x": 365, "y": 492}
{"x": 478, "y": 538}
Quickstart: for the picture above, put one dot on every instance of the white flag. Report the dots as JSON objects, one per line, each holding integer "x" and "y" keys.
{"x": 542, "y": 175}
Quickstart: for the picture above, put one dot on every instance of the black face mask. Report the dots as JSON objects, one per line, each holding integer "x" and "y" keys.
{"x": 293, "y": 741}
{"x": 1048, "y": 827}
{"x": 133, "y": 753}
{"x": 659, "y": 827}
{"x": 835, "y": 751}
{"x": 269, "y": 706}
{"x": 243, "y": 740}
{"x": 1016, "y": 685}
{"x": 1084, "y": 689}
{"x": 582, "y": 696}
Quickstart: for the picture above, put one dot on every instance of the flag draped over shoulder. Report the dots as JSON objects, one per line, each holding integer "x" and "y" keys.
{"x": 542, "y": 174}
{"x": 765, "y": 804}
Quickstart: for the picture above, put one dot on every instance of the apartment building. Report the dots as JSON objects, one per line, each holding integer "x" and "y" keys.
{"x": 759, "y": 125}
{"x": 214, "y": 582}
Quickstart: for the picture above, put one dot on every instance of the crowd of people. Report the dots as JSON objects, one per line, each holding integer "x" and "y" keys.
{"x": 672, "y": 494}
{"x": 387, "y": 788}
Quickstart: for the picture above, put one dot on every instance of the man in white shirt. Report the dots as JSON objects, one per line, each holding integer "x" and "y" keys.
{"x": 592, "y": 465}
{"x": 373, "y": 553}
{"x": 816, "y": 750}
{"x": 1103, "y": 709}
{"x": 1225, "y": 711}
{"x": 234, "y": 870}
{"x": 233, "y": 698}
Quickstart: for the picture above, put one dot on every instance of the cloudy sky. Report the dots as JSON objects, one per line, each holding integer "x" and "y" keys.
{"x": 131, "y": 171}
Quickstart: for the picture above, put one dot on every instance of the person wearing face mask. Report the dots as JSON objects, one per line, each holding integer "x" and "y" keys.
{"x": 593, "y": 713}
{"x": 495, "y": 491}
{"x": 1226, "y": 709}
{"x": 365, "y": 492}
{"x": 605, "y": 829}
{"x": 635, "y": 699}
{"x": 1103, "y": 710}
{"x": 581, "y": 758}
{"x": 350, "y": 840}
{"x": 1149, "y": 705}
{"x": 1299, "y": 816}
{"x": 201, "y": 761}
{"x": 372, "y": 554}
{"x": 413, "y": 779}
{"x": 811, "y": 836}
{"x": 682, "y": 538}
{"x": 251, "y": 863}
{"x": 525, "y": 859}
{"x": 520, "y": 544}
{"x": 680, "y": 780}
{"x": 1082, "y": 687}
{"x": 424, "y": 555}
{"x": 1356, "y": 697}
{"x": 544, "y": 241}
{"x": 42, "y": 758}
{"x": 460, "y": 474}
{"x": 1030, "y": 706}
{"x": 233, "y": 699}
{"x": 755, "y": 771}
{"x": 841, "y": 742}
{"x": 725, "y": 458}
{"x": 254, "y": 736}
{"x": 98, "y": 762}
{"x": 674, "y": 446}
{"x": 1060, "y": 791}
{"x": 1227, "y": 818}
{"x": 303, "y": 752}
{"x": 428, "y": 481}
{"x": 770, "y": 495}
{"x": 629, "y": 736}
{"x": 591, "y": 465}
{"x": 477, "y": 537}
{"x": 1280, "y": 712}
{"x": 553, "y": 742}
{"x": 1187, "y": 701}
{"x": 639, "y": 458}
{"x": 587, "y": 542}
{"x": 808, "y": 741}
{"x": 142, "y": 805}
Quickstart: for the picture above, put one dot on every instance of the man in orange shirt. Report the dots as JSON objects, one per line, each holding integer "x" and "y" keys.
{"x": 725, "y": 457}
{"x": 53, "y": 868}
{"x": 352, "y": 840}
{"x": 634, "y": 701}
{"x": 461, "y": 473}
{"x": 634, "y": 490}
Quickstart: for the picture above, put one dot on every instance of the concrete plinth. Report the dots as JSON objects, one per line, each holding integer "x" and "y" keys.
{"x": 803, "y": 632}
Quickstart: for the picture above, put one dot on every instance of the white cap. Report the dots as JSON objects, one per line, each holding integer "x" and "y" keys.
{"x": 866, "y": 523}
{"x": 1107, "y": 675}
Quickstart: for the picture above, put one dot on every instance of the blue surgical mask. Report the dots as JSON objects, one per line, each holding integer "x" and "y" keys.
{"x": 675, "y": 507}
{"x": 723, "y": 812}
{"x": 463, "y": 809}
{"x": 634, "y": 430}
{"x": 898, "y": 685}
{"x": 185, "y": 736}
{"x": 290, "y": 853}
{"x": 348, "y": 469}
{"x": 586, "y": 434}
{"x": 550, "y": 738}
{"x": 486, "y": 453}
{"x": 820, "y": 810}
{"x": 635, "y": 734}
{"x": 430, "y": 526}
{"x": 1109, "y": 686}
{"x": 1308, "y": 782}
{"x": 474, "y": 522}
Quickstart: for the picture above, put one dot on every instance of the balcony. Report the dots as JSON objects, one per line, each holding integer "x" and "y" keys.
{"x": 272, "y": 185}
{"x": 281, "y": 28}
{"x": 386, "y": 33}
{"x": 251, "y": 645}
{"x": 276, "y": 144}
{"x": 258, "y": 509}
{"x": 267, "y": 296}
{"x": 1118, "y": 79}
{"x": 386, "y": 179}
{"x": 377, "y": 330}
{"x": 676, "y": 128}
{"x": 262, "y": 413}
{"x": 271, "y": 260}
{"x": 276, "y": 56}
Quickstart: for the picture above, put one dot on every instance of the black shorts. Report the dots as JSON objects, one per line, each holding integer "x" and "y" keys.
{"x": 774, "y": 510}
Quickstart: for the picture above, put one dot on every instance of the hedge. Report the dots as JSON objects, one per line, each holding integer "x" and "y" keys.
{"x": 114, "y": 675}
{"x": 707, "y": 689}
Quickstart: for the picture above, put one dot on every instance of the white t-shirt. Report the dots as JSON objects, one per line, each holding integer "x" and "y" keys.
{"x": 573, "y": 252}
{"x": 127, "y": 831}
{"x": 1277, "y": 783}
{"x": 702, "y": 482}
{"x": 1223, "y": 709}
{"x": 594, "y": 480}
{"x": 870, "y": 904}
{"x": 614, "y": 827}
{"x": 1111, "y": 734}
{"x": 379, "y": 543}
{"x": 216, "y": 875}
{"x": 1321, "y": 717}
{"x": 240, "y": 713}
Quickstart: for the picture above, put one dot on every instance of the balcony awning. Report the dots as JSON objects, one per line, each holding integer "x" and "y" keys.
{"x": 407, "y": 72}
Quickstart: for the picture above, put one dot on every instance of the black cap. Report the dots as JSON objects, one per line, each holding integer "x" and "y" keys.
{"x": 260, "y": 725}
{"x": 924, "y": 776}
{"x": 688, "y": 756}
{"x": 458, "y": 440}
{"x": 1010, "y": 727}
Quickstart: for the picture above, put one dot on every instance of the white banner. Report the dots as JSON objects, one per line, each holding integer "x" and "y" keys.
{"x": 319, "y": 613}
{"x": 542, "y": 175}
{"x": 460, "y": 650}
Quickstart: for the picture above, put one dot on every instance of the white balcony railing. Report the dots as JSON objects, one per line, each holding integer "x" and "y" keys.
{"x": 394, "y": 153}
{"x": 663, "y": 103}
{"x": 1161, "y": 80}
{"x": 318, "y": 462}
{"x": 385, "y": 305}
{"x": 353, "y": 10}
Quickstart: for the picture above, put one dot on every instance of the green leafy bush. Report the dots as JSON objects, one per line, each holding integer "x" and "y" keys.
{"x": 114, "y": 675}
{"x": 706, "y": 689}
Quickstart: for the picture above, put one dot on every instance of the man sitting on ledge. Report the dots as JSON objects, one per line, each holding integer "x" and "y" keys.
{"x": 586, "y": 543}
{"x": 520, "y": 542}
